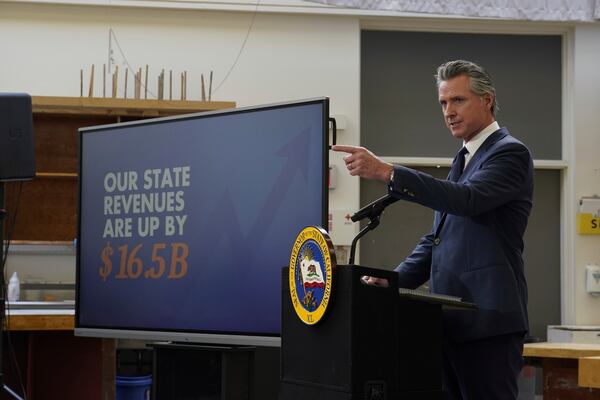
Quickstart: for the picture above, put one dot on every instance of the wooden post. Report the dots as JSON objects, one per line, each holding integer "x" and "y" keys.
{"x": 146, "y": 84}
{"x": 91, "y": 88}
{"x": 210, "y": 87}
{"x": 103, "y": 80}
{"x": 170, "y": 84}
{"x": 115, "y": 82}
{"x": 81, "y": 82}
{"x": 161, "y": 85}
{"x": 135, "y": 84}
{"x": 185, "y": 85}
{"x": 126, "y": 74}
{"x": 182, "y": 86}
{"x": 138, "y": 93}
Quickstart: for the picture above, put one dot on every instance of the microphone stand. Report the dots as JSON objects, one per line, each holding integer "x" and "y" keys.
{"x": 372, "y": 211}
{"x": 373, "y": 223}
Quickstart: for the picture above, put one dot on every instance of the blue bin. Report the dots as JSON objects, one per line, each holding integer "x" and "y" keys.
{"x": 133, "y": 387}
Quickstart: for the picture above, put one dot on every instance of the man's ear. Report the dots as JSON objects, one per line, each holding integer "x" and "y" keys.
{"x": 488, "y": 100}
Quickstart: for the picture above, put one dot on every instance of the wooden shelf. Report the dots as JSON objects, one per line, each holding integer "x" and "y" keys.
{"x": 56, "y": 175}
{"x": 122, "y": 107}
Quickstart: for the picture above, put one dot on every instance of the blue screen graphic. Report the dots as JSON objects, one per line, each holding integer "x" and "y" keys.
{"x": 186, "y": 223}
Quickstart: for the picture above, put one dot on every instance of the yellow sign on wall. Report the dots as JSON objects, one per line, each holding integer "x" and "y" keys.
{"x": 588, "y": 224}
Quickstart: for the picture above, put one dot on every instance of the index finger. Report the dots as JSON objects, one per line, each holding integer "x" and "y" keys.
{"x": 345, "y": 149}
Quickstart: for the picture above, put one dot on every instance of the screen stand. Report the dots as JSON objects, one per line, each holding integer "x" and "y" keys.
{"x": 184, "y": 370}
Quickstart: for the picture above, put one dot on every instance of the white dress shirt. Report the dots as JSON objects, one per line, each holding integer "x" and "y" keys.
{"x": 476, "y": 142}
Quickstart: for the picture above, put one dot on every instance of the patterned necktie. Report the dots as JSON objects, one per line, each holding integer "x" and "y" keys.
{"x": 458, "y": 165}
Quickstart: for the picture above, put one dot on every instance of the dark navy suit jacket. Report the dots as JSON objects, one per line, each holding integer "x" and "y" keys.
{"x": 475, "y": 252}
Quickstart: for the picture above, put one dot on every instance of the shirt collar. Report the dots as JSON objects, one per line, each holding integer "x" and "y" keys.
{"x": 474, "y": 144}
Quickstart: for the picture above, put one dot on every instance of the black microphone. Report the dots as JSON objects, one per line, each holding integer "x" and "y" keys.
{"x": 374, "y": 209}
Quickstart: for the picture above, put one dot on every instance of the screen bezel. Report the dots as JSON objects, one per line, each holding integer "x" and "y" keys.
{"x": 223, "y": 338}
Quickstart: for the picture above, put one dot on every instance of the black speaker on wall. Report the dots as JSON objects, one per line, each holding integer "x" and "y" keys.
{"x": 17, "y": 159}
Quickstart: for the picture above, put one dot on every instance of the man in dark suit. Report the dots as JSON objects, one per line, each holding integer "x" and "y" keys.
{"x": 474, "y": 250}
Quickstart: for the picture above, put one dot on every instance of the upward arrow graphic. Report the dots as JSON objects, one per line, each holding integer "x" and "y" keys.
{"x": 296, "y": 159}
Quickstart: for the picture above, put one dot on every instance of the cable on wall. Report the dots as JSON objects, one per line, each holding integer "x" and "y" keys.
{"x": 112, "y": 35}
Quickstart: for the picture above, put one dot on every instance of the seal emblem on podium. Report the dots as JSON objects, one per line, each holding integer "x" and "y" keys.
{"x": 311, "y": 274}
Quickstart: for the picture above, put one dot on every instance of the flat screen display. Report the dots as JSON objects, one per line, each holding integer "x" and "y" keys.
{"x": 186, "y": 222}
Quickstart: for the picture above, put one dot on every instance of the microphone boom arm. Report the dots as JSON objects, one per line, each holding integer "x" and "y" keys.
{"x": 373, "y": 223}
{"x": 372, "y": 211}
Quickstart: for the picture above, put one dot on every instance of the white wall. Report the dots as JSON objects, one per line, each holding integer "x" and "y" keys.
{"x": 286, "y": 57}
{"x": 293, "y": 56}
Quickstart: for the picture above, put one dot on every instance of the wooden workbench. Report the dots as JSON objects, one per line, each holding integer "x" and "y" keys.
{"x": 561, "y": 350}
{"x": 41, "y": 322}
{"x": 571, "y": 370}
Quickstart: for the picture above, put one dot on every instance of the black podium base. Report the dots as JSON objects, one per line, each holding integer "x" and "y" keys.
{"x": 302, "y": 392}
{"x": 372, "y": 344}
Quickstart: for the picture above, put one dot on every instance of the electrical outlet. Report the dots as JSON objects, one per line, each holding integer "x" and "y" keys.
{"x": 592, "y": 279}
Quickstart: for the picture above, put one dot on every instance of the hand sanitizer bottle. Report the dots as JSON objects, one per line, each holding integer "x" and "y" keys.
{"x": 14, "y": 287}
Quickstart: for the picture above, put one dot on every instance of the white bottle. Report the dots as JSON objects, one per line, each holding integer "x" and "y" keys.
{"x": 14, "y": 287}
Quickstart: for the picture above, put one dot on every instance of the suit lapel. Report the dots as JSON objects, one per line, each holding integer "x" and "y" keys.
{"x": 475, "y": 160}
{"x": 481, "y": 152}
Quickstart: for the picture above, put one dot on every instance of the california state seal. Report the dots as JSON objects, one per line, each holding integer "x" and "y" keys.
{"x": 311, "y": 274}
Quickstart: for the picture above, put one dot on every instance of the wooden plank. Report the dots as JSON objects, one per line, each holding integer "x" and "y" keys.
{"x": 138, "y": 84}
{"x": 210, "y": 87}
{"x": 53, "y": 218}
{"x": 115, "y": 82}
{"x": 58, "y": 175}
{"x": 125, "y": 89}
{"x": 41, "y": 322}
{"x": 44, "y": 242}
{"x": 146, "y": 84}
{"x": 122, "y": 107}
{"x": 561, "y": 350}
{"x": 589, "y": 372}
{"x": 56, "y": 140}
{"x": 91, "y": 88}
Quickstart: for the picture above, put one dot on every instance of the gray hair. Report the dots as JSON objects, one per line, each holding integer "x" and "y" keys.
{"x": 481, "y": 81}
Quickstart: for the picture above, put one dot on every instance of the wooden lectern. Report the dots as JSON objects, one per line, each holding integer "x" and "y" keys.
{"x": 373, "y": 343}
